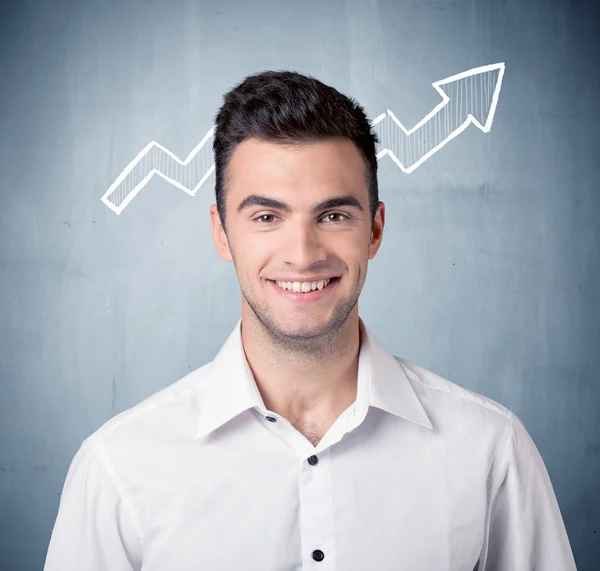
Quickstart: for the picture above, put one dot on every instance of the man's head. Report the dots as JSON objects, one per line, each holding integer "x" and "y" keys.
{"x": 297, "y": 200}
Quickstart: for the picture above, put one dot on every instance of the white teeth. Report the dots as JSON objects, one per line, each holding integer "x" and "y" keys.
{"x": 303, "y": 287}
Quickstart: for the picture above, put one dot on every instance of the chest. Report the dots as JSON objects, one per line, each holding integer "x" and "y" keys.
{"x": 364, "y": 503}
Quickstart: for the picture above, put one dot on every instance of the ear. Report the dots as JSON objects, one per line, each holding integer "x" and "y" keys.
{"x": 377, "y": 232}
{"x": 219, "y": 236}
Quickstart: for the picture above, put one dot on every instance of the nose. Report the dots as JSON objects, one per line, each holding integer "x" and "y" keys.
{"x": 303, "y": 246}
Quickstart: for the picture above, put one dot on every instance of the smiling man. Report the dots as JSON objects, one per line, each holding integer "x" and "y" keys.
{"x": 305, "y": 444}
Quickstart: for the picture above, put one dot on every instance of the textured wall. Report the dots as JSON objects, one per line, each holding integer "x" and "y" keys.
{"x": 489, "y": 269}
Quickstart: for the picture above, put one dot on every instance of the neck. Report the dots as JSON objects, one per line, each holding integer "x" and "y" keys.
{"x": 313, "y": 381}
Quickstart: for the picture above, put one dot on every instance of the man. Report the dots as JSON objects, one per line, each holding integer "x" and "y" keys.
{"x": 305, "y": 444}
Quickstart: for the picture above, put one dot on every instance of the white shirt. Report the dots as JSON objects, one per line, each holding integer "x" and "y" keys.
{"x": 419, "y": 474}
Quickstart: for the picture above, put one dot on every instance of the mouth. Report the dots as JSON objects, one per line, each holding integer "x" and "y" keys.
{"x": 317, "y": 291}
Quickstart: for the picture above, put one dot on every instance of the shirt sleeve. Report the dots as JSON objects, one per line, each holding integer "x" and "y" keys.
{"x": 526, "y": 529}
{"x": 96, "y": 528}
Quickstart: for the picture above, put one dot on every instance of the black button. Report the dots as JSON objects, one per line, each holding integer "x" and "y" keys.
{"x": 270, "y": 419}
{"x": 313, "y": 460}
{"x": 318, "y": 555}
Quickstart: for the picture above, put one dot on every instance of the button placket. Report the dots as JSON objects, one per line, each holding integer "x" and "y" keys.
{"x": 317, "y": 526}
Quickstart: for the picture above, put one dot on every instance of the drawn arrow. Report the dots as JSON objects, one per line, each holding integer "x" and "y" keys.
{"x": 468, "y": 97}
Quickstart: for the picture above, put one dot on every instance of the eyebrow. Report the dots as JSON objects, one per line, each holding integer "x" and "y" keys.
{"x": 264, "y": 201}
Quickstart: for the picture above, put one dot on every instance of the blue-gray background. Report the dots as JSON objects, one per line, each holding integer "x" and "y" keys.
{"x": 489, "y": 269}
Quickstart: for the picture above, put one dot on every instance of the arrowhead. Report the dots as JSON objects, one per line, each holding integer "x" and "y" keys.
{"x": 473, "y": 93}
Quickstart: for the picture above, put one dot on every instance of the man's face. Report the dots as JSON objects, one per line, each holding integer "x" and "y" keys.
{"x": 280, "y": 229}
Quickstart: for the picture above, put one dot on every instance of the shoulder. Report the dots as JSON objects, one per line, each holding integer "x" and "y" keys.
{"x": 453, "y": 408}
{"x": 433, "y": 385}
{"x": 168, "y": 411}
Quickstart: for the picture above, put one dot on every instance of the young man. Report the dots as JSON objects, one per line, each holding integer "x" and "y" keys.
{"x": 305, "y": 444}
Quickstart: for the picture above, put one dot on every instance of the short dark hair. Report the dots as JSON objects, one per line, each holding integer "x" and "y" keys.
{"x": 290, "y": 108}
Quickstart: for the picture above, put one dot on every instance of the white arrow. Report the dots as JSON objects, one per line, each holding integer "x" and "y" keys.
{"x": 468, "y": 97}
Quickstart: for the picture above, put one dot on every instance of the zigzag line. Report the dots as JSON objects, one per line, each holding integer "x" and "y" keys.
{"x": 473, "y": 99}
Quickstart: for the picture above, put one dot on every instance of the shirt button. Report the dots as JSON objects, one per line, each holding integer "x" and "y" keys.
{"x": 270, "y": 419}
{"x": 318, "y": 555}
{"x": 313, "y": 460}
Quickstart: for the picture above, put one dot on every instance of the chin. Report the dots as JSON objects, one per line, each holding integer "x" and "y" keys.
{"x": 304, "y": 327}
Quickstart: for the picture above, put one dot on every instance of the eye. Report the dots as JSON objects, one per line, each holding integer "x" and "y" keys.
{"x": 344, "y": 216}
{"x": 264, "y": 218}
{"x": 261, "y": 220}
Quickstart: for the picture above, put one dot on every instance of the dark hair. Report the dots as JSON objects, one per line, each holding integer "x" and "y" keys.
{"x": 290, "y": 108}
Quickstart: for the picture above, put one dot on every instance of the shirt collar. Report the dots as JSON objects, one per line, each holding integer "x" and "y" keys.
{"x": 231, "y": 389}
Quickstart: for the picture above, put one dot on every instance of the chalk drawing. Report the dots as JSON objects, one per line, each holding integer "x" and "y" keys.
{"x": 468, "y": 98}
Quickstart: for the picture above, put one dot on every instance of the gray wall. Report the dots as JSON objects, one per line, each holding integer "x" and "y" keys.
{"x": 488, "y": 273}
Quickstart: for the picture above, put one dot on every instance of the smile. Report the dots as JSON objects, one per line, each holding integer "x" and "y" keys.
{"x": 304, "y": 291}
{"x": 303, "y": 287}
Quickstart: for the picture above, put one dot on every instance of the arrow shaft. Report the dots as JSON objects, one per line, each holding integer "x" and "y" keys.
{"x": 409, "y": 148}
{"x": 187, "y": 176}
